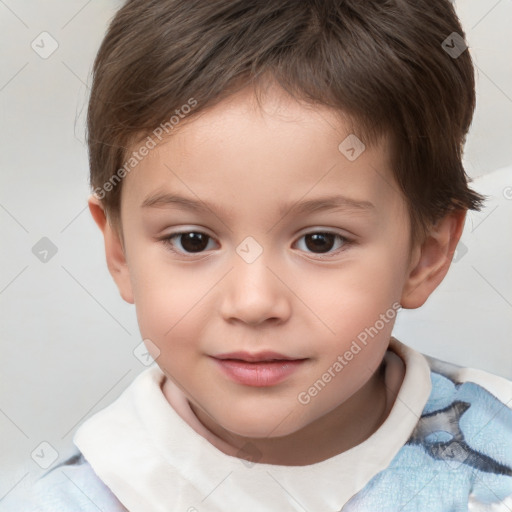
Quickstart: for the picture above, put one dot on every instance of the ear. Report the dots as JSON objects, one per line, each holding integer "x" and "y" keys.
{"x": 431, "y": 260}
{"x": 114, "y": 251}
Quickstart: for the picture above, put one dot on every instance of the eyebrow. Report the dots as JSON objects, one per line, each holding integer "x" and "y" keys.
{"x": 333, "y": 202}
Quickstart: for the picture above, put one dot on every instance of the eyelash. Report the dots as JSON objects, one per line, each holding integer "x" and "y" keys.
{"x": 167, "y": 241}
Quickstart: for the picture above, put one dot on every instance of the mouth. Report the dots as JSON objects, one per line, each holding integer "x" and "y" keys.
{"x": 260, "y": 357}
{"x": 263, "y": 369}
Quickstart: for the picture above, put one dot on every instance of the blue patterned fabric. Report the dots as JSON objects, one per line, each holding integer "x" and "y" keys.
{"x": 459, "y": 453}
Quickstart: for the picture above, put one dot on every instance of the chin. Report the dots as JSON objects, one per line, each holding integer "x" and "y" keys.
{"x": 261, "y": 425}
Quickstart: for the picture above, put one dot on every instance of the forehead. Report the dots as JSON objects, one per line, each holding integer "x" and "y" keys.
{"x": 242, "y": 153}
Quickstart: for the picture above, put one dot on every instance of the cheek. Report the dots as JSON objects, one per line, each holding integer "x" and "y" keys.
{"x": 363, "y": 291}
{"x": 382, "y": 268}
{"x": 361, "y": 307}
{"x": 167, "y": 300}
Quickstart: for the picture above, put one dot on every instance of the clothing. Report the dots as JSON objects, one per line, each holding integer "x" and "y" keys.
{"x": 445, "y": 446}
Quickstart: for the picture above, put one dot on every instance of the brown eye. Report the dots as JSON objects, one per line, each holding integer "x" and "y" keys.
{"x": 190, "y": 241}
{"x": 323, "y": 243}
{"x": 319, "y": 242}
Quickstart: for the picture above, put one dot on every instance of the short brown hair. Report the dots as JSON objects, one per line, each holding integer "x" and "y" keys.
{"x": 379, "y": 62}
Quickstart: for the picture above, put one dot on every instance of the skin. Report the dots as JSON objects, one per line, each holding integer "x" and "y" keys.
{"x": 248, "y": 159}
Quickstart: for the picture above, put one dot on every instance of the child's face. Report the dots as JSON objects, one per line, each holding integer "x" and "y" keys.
{"x": 302, "y": 297}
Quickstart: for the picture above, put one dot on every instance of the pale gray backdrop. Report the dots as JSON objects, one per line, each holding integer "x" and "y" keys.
{"x": 67, "y": 338}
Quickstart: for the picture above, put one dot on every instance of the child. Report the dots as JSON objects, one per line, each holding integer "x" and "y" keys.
{"x": 228, "y": 141}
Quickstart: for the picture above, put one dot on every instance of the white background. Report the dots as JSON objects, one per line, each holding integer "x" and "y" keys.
{"x": 66, "y": 335}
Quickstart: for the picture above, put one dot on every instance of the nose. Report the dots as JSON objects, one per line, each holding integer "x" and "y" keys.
{"x": 255, "y": 293}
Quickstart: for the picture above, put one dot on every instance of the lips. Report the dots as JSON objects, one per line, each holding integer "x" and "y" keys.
{"x": 262, "y": 369}
{"x": 257, "y": 357}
